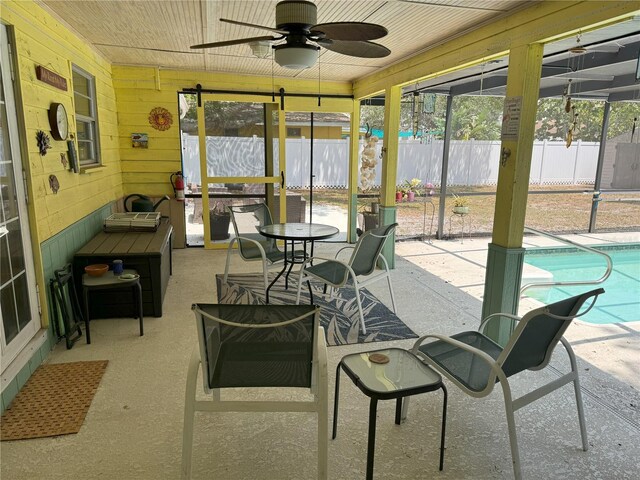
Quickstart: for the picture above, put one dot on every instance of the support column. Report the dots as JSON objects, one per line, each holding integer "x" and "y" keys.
{"x": 269, "y": 133}
{"x": 445, "y": 167}
{"x": 388, "y": 212}
{"x": 354, "y": 171}
{"x": 282, "y": 159}
{"x": 505, "y": 255}
{"x": 598, "y": 179}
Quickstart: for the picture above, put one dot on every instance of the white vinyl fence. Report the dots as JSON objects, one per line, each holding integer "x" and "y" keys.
{"x": 471, "y": 162}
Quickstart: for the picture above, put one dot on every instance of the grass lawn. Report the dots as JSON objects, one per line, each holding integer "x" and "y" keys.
{"x": 553, "y": 212}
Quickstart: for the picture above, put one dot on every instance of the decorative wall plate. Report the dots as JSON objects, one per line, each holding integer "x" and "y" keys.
{"x": 160, "y": 118}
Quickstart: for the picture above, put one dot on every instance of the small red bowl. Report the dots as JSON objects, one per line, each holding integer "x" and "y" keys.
{"x": 96, "y": 270}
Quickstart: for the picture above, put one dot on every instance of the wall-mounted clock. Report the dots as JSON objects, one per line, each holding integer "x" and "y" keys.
{"x": 58, "y": 121}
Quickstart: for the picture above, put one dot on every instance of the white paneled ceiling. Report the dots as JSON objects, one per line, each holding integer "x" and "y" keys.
{"x": 159, "y": 33}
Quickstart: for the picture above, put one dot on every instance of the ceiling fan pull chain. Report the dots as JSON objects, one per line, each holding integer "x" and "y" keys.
{"x": 273, "y": 88}
{"x": 319, "y": 97}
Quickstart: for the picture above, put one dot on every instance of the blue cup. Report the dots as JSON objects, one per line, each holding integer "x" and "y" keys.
{"x": 118, "y": 267}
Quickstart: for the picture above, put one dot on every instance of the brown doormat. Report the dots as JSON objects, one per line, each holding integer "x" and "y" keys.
{"x": 53, "y": 402}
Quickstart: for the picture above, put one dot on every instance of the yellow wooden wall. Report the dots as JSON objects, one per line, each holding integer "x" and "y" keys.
{"x": 140, "y": 89}
{"x": 42, "y": 40}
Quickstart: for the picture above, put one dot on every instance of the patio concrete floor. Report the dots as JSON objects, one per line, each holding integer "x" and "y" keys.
{"x": 133, "y": 429}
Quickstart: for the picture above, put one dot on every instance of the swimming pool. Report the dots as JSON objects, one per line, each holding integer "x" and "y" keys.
{"x": 621, "y": 300}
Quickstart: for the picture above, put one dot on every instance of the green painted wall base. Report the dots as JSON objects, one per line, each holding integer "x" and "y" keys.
{"x": 56, "y": 252}
{"x": 502, "y": 289}
{"x": 387, "y": 217}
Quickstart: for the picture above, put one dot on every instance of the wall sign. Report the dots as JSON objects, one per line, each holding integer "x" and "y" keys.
{"x": 52, "y": 78}
{"x": 511, "y": 118}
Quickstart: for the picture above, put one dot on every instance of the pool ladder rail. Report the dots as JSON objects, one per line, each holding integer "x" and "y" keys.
{"x": 606, "y": 257}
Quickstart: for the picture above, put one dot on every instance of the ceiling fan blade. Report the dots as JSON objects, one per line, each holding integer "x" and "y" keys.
{"x": 605, "y": 48}
{"x": 349, "y": 31}
{"x": 239, "y": 41}
{"x": 355, "y": 48}
{"x": 253, "y": 25}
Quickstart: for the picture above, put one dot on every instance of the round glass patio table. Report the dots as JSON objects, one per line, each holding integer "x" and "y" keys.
{"x": 292, "y": 233}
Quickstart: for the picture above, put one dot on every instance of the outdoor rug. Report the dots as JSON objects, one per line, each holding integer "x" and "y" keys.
{"x": 54, "y": 401}
{"x": 338, "y": 315}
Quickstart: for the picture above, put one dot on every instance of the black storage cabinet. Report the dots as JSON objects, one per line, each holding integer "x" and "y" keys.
{"x": 147, "y": 252}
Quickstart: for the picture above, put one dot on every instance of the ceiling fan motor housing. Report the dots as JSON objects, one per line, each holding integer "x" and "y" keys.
{"x": 296, "y": 16}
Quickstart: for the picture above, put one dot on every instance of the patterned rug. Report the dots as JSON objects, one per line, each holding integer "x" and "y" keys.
{"x": 338, "y": 315}
{"x": 54, "y": 401}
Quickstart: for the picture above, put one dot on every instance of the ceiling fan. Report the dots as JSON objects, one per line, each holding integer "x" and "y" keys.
{"x": 296, "y": 24}
{"x": 579, "y": 49}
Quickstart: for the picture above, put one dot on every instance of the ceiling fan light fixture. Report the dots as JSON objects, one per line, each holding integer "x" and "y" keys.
{"x": 296, "y": 56}
{"x": 261, "y": 49}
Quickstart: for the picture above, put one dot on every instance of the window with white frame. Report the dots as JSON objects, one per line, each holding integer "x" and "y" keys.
{"x": 84, "y": 95}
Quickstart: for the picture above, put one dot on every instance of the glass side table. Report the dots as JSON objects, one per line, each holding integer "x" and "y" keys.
{"x": 401, "y": 376}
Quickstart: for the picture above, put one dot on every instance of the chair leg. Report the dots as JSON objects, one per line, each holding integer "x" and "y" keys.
{"x": 578, "y": 393}
{"x": 189, "y": 411}
{"x": 323, "y": 425}
{"x": 300, "y": 281}
{"x": 362, "y": 327}
{"x": 583, "y": 425}
{"x": 265, "y": 273}
{"x": 386, "y": 269}
{"x": 226, "y": 267}
{"x": 511, "y": 425}
{"x": 86, "y": 314}
{"x": 393, "y": 299}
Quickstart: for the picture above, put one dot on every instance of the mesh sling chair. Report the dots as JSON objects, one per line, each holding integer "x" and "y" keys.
{"x": 475, "y": 363}
{"x": 258, "y": 346}
{"x": 252, "y": 246}
{"x": 365, "y": 257}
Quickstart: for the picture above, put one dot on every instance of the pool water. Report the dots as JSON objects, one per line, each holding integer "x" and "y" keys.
{"x": 621, "y": 300}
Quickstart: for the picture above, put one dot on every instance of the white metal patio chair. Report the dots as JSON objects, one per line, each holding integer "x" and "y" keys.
{"x": 357, "y": 272}
{"x": 475, "y": 363}
{"x": 252, "y": 246}
{"x": 258, "y": 346}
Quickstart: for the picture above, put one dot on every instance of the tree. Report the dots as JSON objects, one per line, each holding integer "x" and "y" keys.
{"x": 479, "y": 118}
{"x": 553, "y": 121}
{"x": 623, "y": 117}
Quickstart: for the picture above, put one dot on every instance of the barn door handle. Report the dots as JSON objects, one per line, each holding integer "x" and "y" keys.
{"x": 281, "y": 179}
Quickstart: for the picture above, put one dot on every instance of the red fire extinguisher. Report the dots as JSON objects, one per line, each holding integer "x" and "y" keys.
{"x": 178, "y": 185}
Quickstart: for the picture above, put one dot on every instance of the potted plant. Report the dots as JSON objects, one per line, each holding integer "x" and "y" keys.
{"x": 219, "y": 218}
{"x": 460, "y": 205}
{"x": 412, "y": 187}
{"x": 429, "y": 189}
